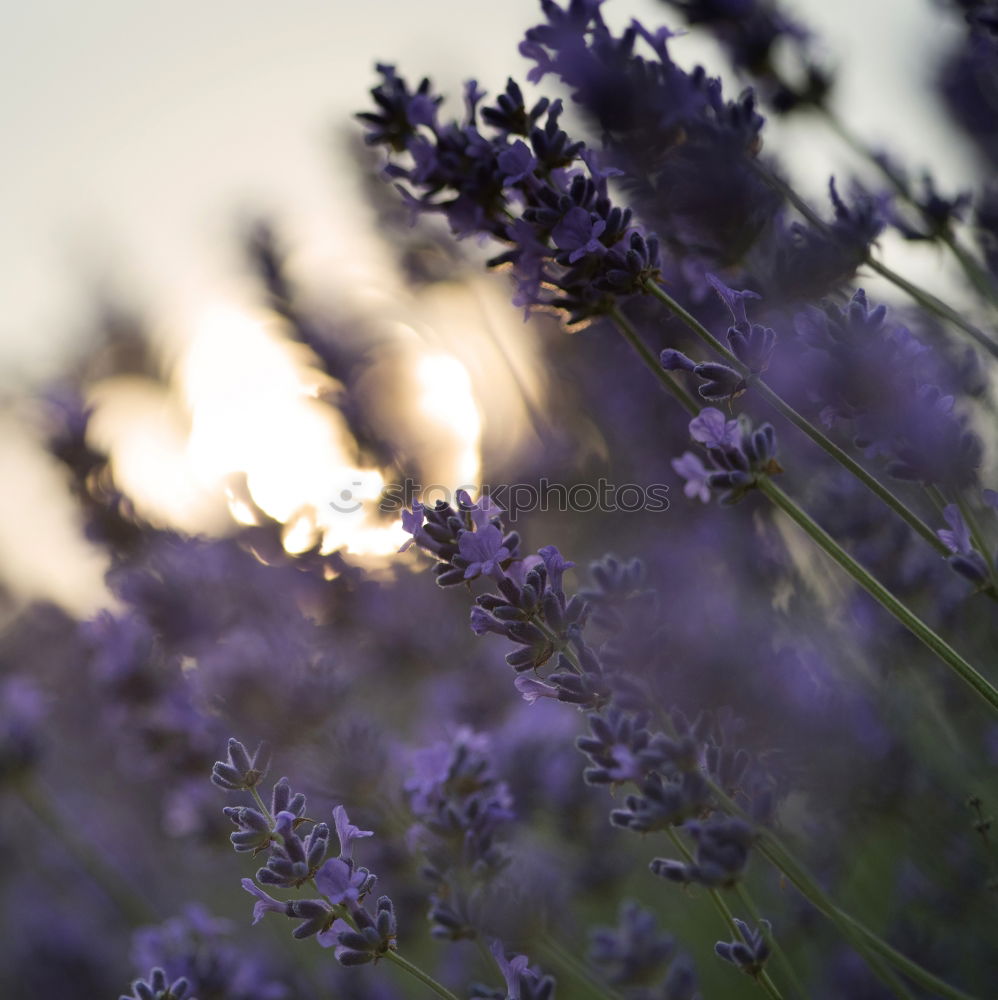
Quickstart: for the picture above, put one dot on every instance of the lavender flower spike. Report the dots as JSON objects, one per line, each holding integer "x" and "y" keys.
{"x": 751, "y": 953}
{"x": 241, "y": 771}
{"x": 157, "y": 988}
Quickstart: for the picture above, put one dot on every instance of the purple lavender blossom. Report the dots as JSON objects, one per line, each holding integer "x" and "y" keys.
{"x": 484, "y": 552}
{"x": 346, "y": 832}
{"x": 750, "y": 953}
{"x": 692, "y": 469}
{"x": 203, "y": 949}
{"x": 157, "y": 987}
{"x": 965, "y": 560}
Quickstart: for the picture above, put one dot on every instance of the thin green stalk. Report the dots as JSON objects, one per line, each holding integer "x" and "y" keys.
{"x": 417, "y": 973}
{"x": 935, "y": 495}
{"x": 865, "y": 940}
{"x": 911, "y": 621}
{"x": 799, "y": 421}
{"x": 720, "y": 904}
{"x": 877, "y": 953}
{"x": 131, "y": 903}
{"x": 774, "y": 942}
{"x": 343, "y": 912}
{"x": 561, "y": 957}
{"x": 262, "y": 806}
{"x": 771, "y": 847}
{"x": 671, "y": 385}
{"x": 961, "y": 667}
{"x": 873, "y": 948}
{"x": 925, "y": 299}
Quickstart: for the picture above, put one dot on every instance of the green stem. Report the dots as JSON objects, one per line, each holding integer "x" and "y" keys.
{"x": 567, "y": 962}
{"x": 870, "y": 945}
{"x": 641, "y": 348}
{"x": 912, "y": 622}
{"x": 876, "y": 952}
{"x": 799, "y": 421}
{"x": 865, "y": 939}
{"x": 774, "y": 942}
{"x": 923, "y": 298}
{"x": 417, "y": 973}
{"x": 961, "y": 667}
{"x": 722, "y": 907}
{"x": 131, "y": 903}
{"x": 262, "y": 806}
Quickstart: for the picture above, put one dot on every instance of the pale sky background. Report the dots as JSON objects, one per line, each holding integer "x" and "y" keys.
{"x": 137, "y": 134}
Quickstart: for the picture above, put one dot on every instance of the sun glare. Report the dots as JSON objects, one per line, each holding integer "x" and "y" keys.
{"x": 248, "y": 431}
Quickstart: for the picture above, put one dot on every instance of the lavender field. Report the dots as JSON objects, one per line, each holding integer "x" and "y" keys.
{"x": 600, "y": 605}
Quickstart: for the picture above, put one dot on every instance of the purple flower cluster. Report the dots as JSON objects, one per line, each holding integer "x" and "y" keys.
{"x": 635, "y": 954}
{"x": 337, "y": 917}
{"x": 874, "y": 378}
{"x": 460, "y": 809}
{"x": 517, "y": 177}
{"x": 672, "y": 774}
{"x": 752, "y": 732}
{"x": 737, "y": 457}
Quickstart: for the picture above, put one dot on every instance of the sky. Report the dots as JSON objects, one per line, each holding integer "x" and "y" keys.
{"x": 139, "y": 136}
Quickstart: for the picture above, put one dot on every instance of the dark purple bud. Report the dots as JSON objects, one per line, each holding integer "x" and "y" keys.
{"x": 675, "y": 361}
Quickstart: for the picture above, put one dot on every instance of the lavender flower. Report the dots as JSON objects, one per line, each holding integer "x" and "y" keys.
{"x": 750, "y": 953}
{"x": 966, "y": 560}
{"x": 201, "y": 948}
{"x": 156, "y": 987}
{"x": 522, "y": 982}
{"x": 337, "y": 919}
{"x": 738, "y": 456}
{"x": 722, "y": 851}
{"x": 752, "y": 32}
{"x": 241, "y": 771}
{"x": 22, "y": 710}
{"x": 460, "y": 808}
{"x": 635, "y": 954}
{"x": 686, "y": 154}
{"x": 541, "y": 194}
{"x": 875, "y": 379}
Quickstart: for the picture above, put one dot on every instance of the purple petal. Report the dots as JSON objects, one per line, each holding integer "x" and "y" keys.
{"x": 347, "y": 832}
{"x": 711, "y": 429}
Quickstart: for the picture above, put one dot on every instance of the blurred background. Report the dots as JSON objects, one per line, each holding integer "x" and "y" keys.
{"x": 145, "y": 141}
{"x": 220, "y": 333}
